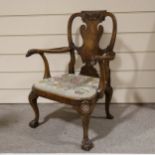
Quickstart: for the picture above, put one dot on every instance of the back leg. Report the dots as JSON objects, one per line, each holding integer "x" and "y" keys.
{"x": 108, "y": 96}
{"x": 33, "y": 102}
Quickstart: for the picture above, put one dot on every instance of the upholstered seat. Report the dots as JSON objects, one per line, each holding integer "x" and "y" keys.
{"x": 70, "y": 85}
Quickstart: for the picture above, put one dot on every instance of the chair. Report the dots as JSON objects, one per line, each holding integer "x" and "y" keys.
{"x": 80, "y": 91}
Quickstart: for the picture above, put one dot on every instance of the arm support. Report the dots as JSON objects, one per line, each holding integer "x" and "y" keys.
{"x": 104, "y": 71}
{"x": 50, "y": 51}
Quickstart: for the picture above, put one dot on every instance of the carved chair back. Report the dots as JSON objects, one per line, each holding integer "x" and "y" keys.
{"x": 91, "y": 32}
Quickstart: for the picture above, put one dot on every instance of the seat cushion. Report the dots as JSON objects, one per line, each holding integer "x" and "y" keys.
{"x": 70, "y": 86}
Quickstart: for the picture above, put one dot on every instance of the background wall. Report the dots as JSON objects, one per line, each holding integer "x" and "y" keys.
{"x": 43, "y": 24}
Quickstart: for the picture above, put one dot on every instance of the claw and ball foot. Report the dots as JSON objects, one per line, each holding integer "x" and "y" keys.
{"x": 87, "y": 145}
{"x": 109, "y": 116}
{"x": 34, "y": 124}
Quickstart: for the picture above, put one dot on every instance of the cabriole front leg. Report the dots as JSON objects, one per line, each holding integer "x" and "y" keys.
{"x": 33, "y": 102}
{"x": 86, "y": 142}
{"x": 85, "y": 112}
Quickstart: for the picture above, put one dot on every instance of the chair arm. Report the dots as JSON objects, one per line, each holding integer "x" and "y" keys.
{"x": 104, "y": 71}
{"x": 50, "y": 51}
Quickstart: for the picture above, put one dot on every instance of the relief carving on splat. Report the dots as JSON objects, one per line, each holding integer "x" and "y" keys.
{"x": 91, "y": 33}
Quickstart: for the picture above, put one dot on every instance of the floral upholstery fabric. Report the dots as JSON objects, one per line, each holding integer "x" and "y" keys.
{"x": 70, "y": 85}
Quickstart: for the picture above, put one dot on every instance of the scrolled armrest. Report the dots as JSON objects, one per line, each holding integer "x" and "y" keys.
{"x": 50, "y": 51}
{"x": 32, "y": 51}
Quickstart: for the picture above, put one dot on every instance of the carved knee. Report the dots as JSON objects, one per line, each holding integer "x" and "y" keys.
{"x": 32, "y": 97}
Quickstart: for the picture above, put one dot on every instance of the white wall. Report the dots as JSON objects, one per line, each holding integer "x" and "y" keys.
{"x": 26, "y": 24}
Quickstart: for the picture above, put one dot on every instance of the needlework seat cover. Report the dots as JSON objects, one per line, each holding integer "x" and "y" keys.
{"x": 70, "y": 85}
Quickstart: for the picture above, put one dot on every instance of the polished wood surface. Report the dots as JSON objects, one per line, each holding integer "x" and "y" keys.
{"x": 91, "y": 54}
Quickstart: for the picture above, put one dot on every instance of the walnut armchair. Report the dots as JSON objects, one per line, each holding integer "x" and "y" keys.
{"x": 80, "y": 91}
